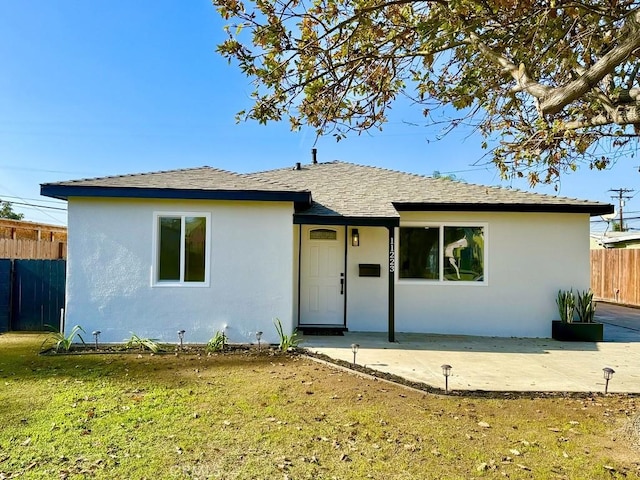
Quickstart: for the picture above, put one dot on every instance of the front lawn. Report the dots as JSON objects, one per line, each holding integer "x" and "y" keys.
{"x": 265, "y": 416}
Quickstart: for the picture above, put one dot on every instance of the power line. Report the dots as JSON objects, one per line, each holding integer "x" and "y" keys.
{"x": 41, "y": 170}
{"x": 58, "y": 202}
{"x": 37, "y": 207}
{"x": 627, "y": 219}
{"x": 32, "y": 205}
{"x": 466, "y": 170}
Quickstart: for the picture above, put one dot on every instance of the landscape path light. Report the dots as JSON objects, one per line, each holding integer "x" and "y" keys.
{"x": 354, "y": 348}
{"x": 446, "y": 371}
{"x": 96, "y": 334}
{"x": 608, "y": 373}
{"x": 181, "y": 337}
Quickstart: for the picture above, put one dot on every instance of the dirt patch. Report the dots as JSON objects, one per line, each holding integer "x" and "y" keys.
{"x": 630, "y": 431}
{"x": 165, "y": 349}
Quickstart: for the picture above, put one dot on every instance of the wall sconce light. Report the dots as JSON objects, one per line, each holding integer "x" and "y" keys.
{"x": 608, "y": 373}
{"x": 181, "y": 337}
{"x": 446, "y": 371}
{"x": 355, "y": 237}
{"x": 96, "y": 334}
{"x": 354, "y": 348}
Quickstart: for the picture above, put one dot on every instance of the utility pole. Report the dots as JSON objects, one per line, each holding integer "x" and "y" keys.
{"x": 621, "y": 198}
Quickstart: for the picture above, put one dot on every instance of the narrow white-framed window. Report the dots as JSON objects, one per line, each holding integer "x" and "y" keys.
{"x": 443, "y": 253}
{"x": 182, "y": 249}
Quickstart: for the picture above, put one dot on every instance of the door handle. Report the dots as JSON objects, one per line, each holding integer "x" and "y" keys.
{"x": 342, "y": 284}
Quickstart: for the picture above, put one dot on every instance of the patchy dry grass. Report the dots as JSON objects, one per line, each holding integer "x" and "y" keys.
{"x": 246, "y": 415}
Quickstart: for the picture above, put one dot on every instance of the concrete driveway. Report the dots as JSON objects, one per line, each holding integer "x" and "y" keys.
{"x": 621, "y": 324}
{"x": 502, "y": 364}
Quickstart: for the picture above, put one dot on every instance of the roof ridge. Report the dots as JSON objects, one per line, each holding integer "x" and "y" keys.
{"x": 285, "y": 169}
{"x": 494, "y": 188}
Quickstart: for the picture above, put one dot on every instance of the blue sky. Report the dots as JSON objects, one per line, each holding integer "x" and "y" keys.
{"x": 110, "y": 87}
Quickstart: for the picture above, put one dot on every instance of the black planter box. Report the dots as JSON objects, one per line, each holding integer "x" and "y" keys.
{"x": 576, "y": 331}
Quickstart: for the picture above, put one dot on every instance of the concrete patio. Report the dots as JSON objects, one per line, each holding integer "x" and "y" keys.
{"x": 502, "y": 364}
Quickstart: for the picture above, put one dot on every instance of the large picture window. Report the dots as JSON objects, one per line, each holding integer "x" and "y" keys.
{"x": 181, "y": 248}
{"x": 442, "y": 253}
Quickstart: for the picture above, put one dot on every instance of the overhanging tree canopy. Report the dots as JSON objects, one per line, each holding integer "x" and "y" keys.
{"x": 551, "y": 83}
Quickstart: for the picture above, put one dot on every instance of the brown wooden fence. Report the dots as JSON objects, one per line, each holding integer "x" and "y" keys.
{"x": 615, "y": 275}
{"x": 32, "y": 249}
{"x": 23, "y": 230}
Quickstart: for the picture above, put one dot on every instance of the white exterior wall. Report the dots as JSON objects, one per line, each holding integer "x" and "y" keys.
{"x": 296, "y": 274}
{"x": 530, "y": 257}
{"x": 367, "y": 297}
{"x": 109, "y": 284}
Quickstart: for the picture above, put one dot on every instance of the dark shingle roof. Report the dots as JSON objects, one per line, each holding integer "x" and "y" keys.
{"x": 339, "y": 190}
{"x": 351, "y": 190}
{"x": 192, "y": 183}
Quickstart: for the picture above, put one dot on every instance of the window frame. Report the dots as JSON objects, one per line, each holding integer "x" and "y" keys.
{"x": 441, "y": 280}
{"x": 155, "y": 260}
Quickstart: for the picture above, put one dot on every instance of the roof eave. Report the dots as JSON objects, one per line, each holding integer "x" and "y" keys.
{"x": 591, "y": 209}
{"x": 63, "y": 192}
{"x": 303, "y": 219}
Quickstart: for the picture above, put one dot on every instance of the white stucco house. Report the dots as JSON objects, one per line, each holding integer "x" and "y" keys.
{"x": 323, "y": 246}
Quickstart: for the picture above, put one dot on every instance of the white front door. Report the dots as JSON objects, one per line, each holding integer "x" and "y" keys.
{"x": 322, "y": 281}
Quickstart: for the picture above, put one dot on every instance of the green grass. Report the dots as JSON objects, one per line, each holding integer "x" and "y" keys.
{"x": 244, "y": 415}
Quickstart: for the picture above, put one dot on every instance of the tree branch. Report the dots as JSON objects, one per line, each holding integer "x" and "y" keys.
{"x": 519, "y": 73}
{"x": 623, "y": 115}
{"x": 559, "y": 97}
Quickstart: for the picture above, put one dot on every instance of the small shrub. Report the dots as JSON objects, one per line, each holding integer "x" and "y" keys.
{"x": 60, "y": 342}
{"x": 144, "y": 343}
{"x": 217, "y": 343}
{"x": 566, "y": 302}
{"x": 287, "y": 342}
{"x": 585, "y": 306}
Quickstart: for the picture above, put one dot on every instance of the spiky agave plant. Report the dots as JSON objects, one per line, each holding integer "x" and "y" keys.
{"x": 60, "y": 342}
{"x": 144, "y": 343}
{"x": 216, "y": 343}
{"x": 585, "y": 307}
{"x": 566, "y": 302}
{"x": 287, "y": 342}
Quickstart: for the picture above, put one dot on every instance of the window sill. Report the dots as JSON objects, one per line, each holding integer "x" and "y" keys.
{"x": 180, "y": 284}
{"x": 418, "y": 281}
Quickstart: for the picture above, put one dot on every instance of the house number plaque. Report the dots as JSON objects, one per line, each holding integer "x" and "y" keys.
{"x": 392, "y": 256}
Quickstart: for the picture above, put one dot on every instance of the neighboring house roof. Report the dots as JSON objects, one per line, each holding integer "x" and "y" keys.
{"x": 616, "y": 239}
{"x": 330, "y": 193}
{"x": 203, "y": 183}
{"x": 353, "y": 191}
